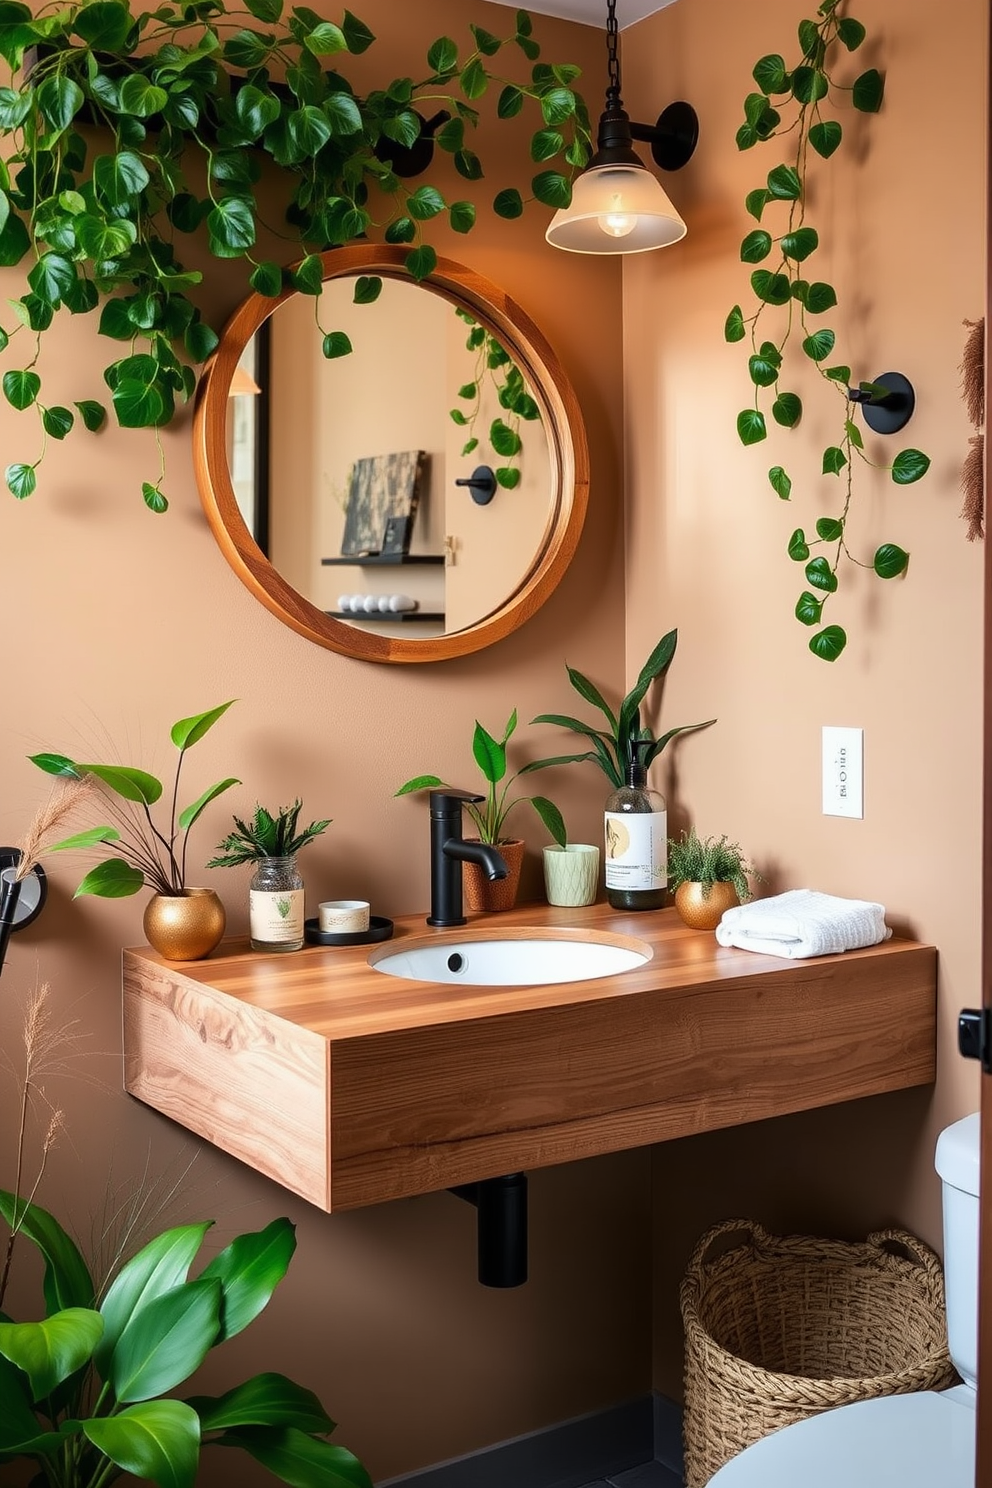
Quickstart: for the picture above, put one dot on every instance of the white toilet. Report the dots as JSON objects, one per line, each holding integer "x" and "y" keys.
{"x": 925, "y": 1440}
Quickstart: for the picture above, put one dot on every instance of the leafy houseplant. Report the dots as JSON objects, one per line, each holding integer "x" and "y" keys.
{"x": 87, "y": 1390}
{"x": 801, "y": 93}
{"x": 494, "y": 365}
{"x": 266, "y": 836}
{"x": 708, "y": 861}
{"x": 100, "y": 220}
{"x": 490, "y": 815}
{"x": 613, "y": 748}
{"x": 708, "y": 875}
{"x": 148, "y": 854}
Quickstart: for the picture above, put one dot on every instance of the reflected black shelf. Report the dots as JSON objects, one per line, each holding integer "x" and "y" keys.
{"x": 392, "y": 616}
{"x": 385, "y": 559}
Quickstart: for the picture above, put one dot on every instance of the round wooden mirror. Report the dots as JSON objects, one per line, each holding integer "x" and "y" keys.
{"x": 348, "y": 492}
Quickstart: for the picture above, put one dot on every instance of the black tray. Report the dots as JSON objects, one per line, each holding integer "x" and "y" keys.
{"x": 379, "y": 929}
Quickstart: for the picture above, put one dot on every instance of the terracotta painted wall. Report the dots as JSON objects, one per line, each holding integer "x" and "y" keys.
{"x": 706, "y": 550}
{"x": 124, "y": 622}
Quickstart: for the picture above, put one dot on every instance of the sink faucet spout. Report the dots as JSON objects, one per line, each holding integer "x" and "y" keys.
{"x": 449, "y": 851}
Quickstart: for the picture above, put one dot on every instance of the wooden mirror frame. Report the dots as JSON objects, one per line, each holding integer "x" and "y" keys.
{"x": 567, "y": 448}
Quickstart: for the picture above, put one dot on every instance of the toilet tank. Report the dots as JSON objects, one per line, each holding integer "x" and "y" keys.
{"x": 957, "y": 1162}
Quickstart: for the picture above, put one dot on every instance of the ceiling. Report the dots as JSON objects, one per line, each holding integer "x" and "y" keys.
{"x": 593, "y": 12}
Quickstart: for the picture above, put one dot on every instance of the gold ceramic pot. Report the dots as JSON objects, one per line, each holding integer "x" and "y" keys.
{"x": 485, "y": 895}
{"x": 701, "y": 906}
{"x": 184, "y": 927}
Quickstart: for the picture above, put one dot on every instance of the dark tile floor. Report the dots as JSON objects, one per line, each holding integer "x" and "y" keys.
{"x": 649, "y": 1475}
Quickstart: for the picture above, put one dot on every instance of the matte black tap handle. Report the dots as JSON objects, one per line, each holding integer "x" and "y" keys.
{"x": 449, "y": 802}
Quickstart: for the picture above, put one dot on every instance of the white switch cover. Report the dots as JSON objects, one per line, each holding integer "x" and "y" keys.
{"x": 843, "y": 772}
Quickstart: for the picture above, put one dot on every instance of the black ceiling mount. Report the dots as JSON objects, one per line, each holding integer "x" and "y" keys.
{"x": 890, "y": 411}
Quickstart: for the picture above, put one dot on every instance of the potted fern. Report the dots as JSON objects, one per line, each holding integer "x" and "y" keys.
{"x": 707, "y": 875}
{"x": 275, "y": 895}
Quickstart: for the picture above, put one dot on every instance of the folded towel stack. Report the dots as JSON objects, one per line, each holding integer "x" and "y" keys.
{"x": 803, "y": 923}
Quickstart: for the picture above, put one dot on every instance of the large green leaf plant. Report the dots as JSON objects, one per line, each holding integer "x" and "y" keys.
{"x": 192, "y": 101}
{"x": 791, "y": 106}
{"x": 87, "y": 1392}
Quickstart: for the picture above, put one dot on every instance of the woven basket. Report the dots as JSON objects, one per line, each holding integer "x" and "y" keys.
{"x": 781, "y": 1328}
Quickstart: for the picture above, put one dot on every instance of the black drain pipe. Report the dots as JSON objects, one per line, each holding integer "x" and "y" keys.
{"x": 502, "y": 1227}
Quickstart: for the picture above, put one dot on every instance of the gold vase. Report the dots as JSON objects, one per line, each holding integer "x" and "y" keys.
{"x": 701, "y": 906}
{"x": 184, "y": 927}
{"x": 484, "y": 895}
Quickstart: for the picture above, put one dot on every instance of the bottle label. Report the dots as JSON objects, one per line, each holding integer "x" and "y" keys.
{"x": 636, "y": 850}
{"x": 275, "y": 917}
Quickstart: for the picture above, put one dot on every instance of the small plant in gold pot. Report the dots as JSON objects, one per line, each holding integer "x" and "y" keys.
{"x": 708, "y": 875}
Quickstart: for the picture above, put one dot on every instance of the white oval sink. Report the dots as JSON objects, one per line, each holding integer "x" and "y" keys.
{"x": 514, "y": 961}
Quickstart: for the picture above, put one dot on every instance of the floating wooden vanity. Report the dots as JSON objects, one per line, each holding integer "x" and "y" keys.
{"x": 350, "y": 1087}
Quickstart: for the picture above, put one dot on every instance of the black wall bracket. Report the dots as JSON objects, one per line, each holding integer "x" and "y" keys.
{"x": 890, "y": 410}
{"x": 975, "y": 1036}
{"x": 481, "y": 484}
{"x": 21, "y": 900}
{"x": 502, "y": 1227}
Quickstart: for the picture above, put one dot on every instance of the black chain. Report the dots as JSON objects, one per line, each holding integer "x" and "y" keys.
{"x": 612, "y": 61}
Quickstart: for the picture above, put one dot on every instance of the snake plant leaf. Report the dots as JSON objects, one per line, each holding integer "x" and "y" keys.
{"x": 49, "y": 1351}
{"x": 113, "y": 879}
{"x": 157, "y": 1268}
{"x": 298, "y": 1459}
{"x": 126, "y": 781}
{"x": 489, "y": 755}
{"x": 166, "y": 1341}
{"x": 263, "y": 1400}
{"x": 190, "y": 814}
{"x": 248, "y": 1271}
{"x": 551, "y": 817}
{"x": 67, "y": 1282}
{"x": 156, "y": 1439}
{"x": 592, "y": 694}
{"x": 418, "y": 783}
{"x": 189, "y": 731}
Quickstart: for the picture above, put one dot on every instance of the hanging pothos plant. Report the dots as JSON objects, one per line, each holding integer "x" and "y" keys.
{"x": 190, "y": 102}
{"x": 791, "y": 106}
{"x": 494, "y": 367}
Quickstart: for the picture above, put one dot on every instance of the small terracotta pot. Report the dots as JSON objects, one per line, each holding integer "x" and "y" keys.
{"x": 487, "y": 895}
{"x": 701, "y": 906}
{"x": 184, "y": 927}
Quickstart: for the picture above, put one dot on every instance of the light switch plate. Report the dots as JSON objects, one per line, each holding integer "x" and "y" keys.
{"x": 843, "y": 772}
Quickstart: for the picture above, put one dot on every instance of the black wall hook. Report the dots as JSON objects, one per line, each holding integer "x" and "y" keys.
{"x": 481, "y": 483}
{"x": 890, "y": 410}
{"x": 21, "y": 900}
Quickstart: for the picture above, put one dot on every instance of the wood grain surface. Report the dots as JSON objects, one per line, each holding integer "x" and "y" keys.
{"x": 351, "y": 1087}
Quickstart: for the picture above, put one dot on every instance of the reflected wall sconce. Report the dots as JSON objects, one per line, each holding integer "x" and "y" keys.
{"x": 617, "y": 205}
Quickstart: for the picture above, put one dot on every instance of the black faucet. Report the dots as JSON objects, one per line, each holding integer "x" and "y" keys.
{"x": 449, "y": 851}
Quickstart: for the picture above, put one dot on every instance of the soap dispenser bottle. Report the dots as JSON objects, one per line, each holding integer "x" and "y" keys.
{"x": 636, "y": 839}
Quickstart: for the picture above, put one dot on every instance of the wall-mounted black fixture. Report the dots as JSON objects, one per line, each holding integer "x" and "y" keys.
{"x": 617, "y": 205}
{"x": 412, "y": 160}
{"x": 501, "y": 1204}
{"x": 481, "y": 484}
{"x": 21, "y": 899}
{"x": 887, "y": 402}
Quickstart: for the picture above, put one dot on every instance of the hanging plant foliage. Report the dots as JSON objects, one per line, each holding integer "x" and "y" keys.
{"x": 190, "y": 104}
{"x": 791, "y": 105}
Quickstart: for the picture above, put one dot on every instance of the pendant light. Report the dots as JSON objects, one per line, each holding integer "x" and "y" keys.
{"x": 617, "y": 205}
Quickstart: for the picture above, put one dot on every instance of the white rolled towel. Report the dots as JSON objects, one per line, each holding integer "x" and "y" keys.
{"x": 400, "y": 603}
{"x": 803, "y": 922}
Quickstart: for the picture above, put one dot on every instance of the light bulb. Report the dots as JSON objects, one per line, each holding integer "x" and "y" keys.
{"x": 615, "y": 222}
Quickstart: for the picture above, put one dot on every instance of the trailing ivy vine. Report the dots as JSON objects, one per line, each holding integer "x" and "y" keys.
{"x": 494, "y": 365}
{"x": 190, "y": 102}
{"x": 791, "y": 105}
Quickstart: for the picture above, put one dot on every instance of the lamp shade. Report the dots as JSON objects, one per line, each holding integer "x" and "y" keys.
{"x": 616, "y": 209}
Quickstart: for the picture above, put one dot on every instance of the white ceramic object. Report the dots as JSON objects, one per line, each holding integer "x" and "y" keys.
{"x": 571, "y": 873}
{"x": 343, "y": 916}
{"x": 512, "y": 963}
{"x": 923, "y": 1440}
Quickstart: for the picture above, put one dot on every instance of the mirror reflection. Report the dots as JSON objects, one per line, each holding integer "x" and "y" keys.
{"x": 354, "y": 473}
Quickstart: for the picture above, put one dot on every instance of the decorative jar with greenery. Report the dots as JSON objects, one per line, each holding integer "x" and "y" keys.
{"x": 276, "y": 906}
{"x": 708, "y": 875}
